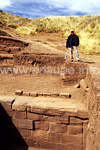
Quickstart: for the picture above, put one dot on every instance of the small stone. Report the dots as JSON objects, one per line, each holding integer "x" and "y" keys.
{"x": 40, "y": 94}
{"x": 18, "y": 92}
{"x": 87, "y": 90}
{"x": 46, "y": 94}
{"x": 77, "y": 86}
{"x": 54, "y": 95}
{"x": 26, "y": 94}
{"x": 65, "y": 95}
{"x": 33, "y": 94}
{"x": 83, "y": 84}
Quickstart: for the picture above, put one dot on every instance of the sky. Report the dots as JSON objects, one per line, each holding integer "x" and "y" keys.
{"x": 44, "y": 8}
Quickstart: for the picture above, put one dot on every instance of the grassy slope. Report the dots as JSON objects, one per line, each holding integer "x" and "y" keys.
{"x": 86, "y": 27}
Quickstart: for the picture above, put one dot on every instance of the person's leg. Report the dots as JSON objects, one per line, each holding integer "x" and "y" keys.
{"x": 71, "y": 53}
{"x": 76, "y": 53}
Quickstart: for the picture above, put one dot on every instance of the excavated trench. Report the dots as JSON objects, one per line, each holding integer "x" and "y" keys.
{"x": 44, "y": 116}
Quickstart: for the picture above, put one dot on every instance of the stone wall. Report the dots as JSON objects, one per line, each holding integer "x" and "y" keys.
{"x": 93, "y": 134}
{"x": 48, "y": 128}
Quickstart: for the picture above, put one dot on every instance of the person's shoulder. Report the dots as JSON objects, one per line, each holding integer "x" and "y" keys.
{"x": 76, "y": 36}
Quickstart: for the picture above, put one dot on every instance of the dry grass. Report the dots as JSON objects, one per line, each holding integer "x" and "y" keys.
{"x": 87, "y": 28}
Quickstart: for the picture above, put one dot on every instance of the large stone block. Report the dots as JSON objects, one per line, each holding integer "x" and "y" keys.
{"x": 7, "y": 102}
{"x": 73, "y": 129}
{"x": 83, "y": 84}
{"x": 48, "y": 118}
{"x": 24, "y": 132}
{"x": 74, "y": 120}
{"x": 83, "y": 114}
{"x": 25, "y": 124}
{"x": 34, "y": 117}
{"x": 58, "y": 128}
{"x": 26, "y": 94}
{"x": 54, "y": 137}
{"x": 18, "y": 92}
{"x": 65, "y": 95}
{"x": 39, "y": 135}
{"x": 19, "y": 115}
{"x": 42, "y": 125}
{"x": 73, "y": 142}
{"x": 34, "y": 94}
{"x": 62, "y": 119}
{"x": 54, "y": 95}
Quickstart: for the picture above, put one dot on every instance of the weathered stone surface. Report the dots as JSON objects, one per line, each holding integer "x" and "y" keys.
{"x": 48, "y": 118}
{"x": 34, "y": 117}
{"x": 73, "y": 142}
{"x": 7, "y": 102}
{"x": 24, "y": 132}
{"x": 62, "y": 119}
{"x": 20, "y": 104}
{"x": 74, "y": 120}
{"x": 83, "y": 84}
{"x": 73, "y": 129}
{"x": 54, "y": 137}
{"x": 65, "y": 95}
{"x": 23, "y": 123}
{"x": 19, "y": 115}
{"x": 83, "y": 114}
{"x": 18, "y": 92}
{"x": 42, "y": 125}
{"x": 34, "y": 94}
{"x": 85, "y": 132}
{"x": 58, "y": 128}
{"x": 39, "y": 135}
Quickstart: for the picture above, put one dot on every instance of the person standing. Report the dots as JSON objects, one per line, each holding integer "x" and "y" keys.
{"x": 72, "y": 43}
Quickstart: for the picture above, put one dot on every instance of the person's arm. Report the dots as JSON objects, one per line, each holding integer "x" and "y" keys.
{"x": 78, "y": 41}
{"x": 67, "y": 43}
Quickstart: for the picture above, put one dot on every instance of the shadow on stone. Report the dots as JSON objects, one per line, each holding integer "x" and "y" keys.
{"x": 10, "y": 138}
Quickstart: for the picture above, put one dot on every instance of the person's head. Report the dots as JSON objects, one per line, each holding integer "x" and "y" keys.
{"x": 72, "y": 32}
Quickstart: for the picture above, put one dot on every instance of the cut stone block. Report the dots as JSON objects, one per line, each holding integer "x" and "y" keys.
{"x": 19, "y": 115}
{"x": 58, "y": 128}
{"x": 26, "y": 94}
{"x": 54, "y": 95}
{"x": 24, "y": 132}
{"x": 87, "y": 90}
{"x": 83, "y": 84}
{"x": 18, "y": 92}
{"x": 65, "y": 95}
{"x": 33, "y": 94}
{"x": 77, "y": 86}
{"x": 62, "y": 120}
{"x": 34, "y": 117}
{"x": 42, "y": 125}
{"x": 74, "y": 130}
{"x": 25, "y": 124}
{"x": 7, "y": 102}
{"x": 40, "y": 94}
{"x": 54, "y": 137}
{"x": 74, "y": 120}
{"x": 46, "y": 94}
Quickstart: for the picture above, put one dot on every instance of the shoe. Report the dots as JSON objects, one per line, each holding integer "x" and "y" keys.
{"x": 79, "y": 61}
{"x": 65, "y": 56}
{"x": 71, "y": 61}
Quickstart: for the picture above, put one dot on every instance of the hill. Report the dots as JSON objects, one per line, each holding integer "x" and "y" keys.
{"x": 86, "y": 27}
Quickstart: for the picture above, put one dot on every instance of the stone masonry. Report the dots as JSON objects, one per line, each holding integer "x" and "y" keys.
{"x": 48, "y": 126}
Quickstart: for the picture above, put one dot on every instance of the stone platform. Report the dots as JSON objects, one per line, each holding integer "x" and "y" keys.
{"x": 46, "y": 122}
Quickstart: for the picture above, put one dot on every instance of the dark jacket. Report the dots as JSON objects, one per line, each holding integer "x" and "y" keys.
{"x": 73, "y": 40}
